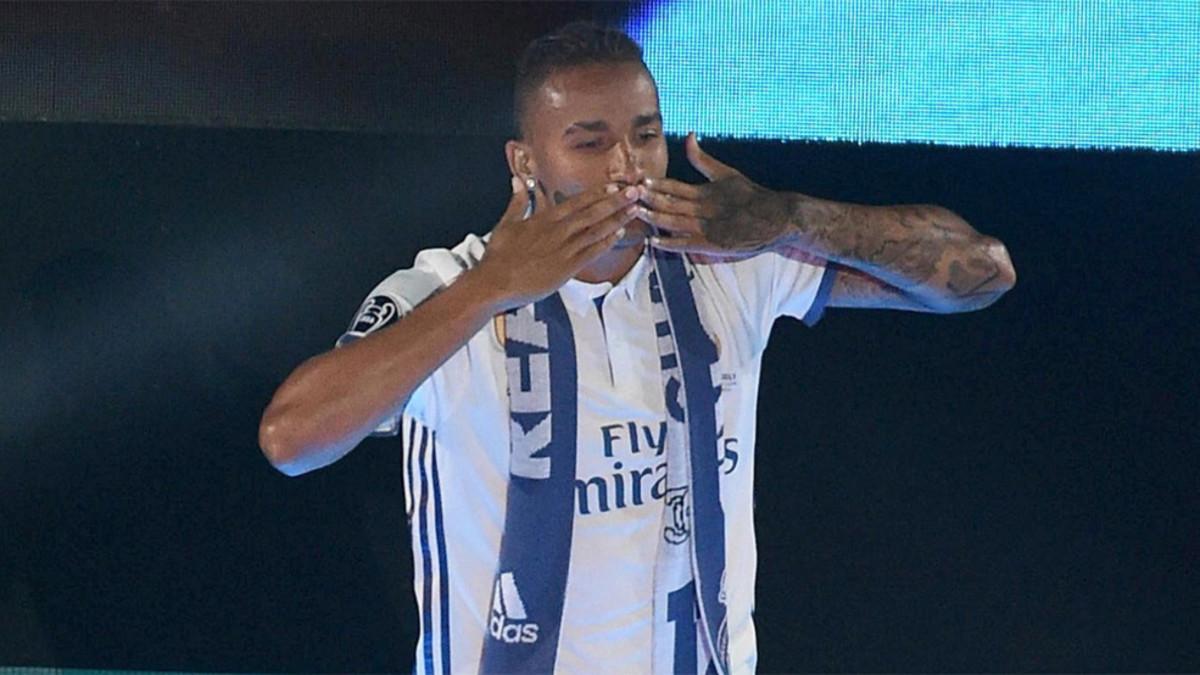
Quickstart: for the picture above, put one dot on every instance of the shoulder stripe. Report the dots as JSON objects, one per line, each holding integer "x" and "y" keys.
{"x": 825, "y": 287}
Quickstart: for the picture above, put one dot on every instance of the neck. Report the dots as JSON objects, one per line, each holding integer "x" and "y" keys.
{"x": 613, "y": 264}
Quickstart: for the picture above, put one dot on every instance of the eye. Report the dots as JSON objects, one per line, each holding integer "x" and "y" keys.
{"x": 647, "y": 135}
{"x": 589, "y": 144}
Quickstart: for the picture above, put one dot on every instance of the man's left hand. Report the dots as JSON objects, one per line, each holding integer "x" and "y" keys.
{"x": 729, "y": 217}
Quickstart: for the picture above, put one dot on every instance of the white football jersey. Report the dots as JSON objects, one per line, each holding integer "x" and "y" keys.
{"x": 455, "y": 430}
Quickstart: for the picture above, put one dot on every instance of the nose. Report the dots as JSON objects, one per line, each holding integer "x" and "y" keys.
{"x": 625, "y": 166}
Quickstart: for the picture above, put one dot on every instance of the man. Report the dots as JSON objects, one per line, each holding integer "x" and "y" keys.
{"x": 577, "y": 388}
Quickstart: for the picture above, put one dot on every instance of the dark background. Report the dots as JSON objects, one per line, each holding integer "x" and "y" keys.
{"x": 1008, "y": 490}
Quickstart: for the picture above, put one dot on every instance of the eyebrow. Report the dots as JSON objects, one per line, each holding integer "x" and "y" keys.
{"x": 601, "y": 125}
{"x": 644, "y": 120}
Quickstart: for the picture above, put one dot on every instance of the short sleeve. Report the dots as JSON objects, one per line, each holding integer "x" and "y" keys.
{"x": 396, "y": 296}
{"x": 743, "y": 298}
{"x": 801, "y": 285}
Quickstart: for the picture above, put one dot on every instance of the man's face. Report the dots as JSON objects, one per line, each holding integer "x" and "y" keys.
{"x": 595, "y": 124}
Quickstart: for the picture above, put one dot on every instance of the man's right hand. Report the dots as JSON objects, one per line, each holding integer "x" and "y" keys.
{"x": 333, "y": 400}
{"x": 528, "y": 259}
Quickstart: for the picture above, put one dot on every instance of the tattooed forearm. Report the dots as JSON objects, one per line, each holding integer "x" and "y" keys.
{"x": 927, "y": 253}
{"x": 906, "y": 240}
{"x": 925, "y": 250}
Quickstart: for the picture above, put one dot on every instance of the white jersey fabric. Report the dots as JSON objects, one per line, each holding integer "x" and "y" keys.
{"x": 455, "y": 430}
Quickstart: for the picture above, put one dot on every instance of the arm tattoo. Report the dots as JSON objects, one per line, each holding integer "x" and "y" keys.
{"x": 972, "y": 277}
{"x": 918, "y": 248}
{"x": 905, "y": 240}
{"x": 745, "y": 217}
{"x": 924, "y": 252}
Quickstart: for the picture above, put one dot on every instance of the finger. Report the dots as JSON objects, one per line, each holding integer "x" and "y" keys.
{"x": 546, "y": 207}
{"x": 675, "y": 187}
{"x": 535, "y": 191}
{"x": 542, "y": 200}
{"x": 669, "y": 203}
{"x": 600, "y": 230}
{"x": 704, "y": 162}
{"x": 593, "y": 213}
{"x": 517, "y": 203}
{"x": 597, "y": 248}
{"x": 563, "y": 209}
{"x": 673, "y": 223}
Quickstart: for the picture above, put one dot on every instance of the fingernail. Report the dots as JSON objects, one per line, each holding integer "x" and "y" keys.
{"x": 621, "y": 233}
{"x": 655, "y": 241}
{"x": 631, "y": 192}
{"x": 611, "y": 188}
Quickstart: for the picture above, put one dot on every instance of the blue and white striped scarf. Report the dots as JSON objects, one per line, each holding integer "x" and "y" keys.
{"x": 535, "y": 550}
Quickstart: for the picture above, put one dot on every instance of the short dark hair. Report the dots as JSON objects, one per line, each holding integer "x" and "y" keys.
{"x": 578, "y": 43}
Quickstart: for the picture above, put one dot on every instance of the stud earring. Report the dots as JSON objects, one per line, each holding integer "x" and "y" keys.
{"x": 530, "y": 184}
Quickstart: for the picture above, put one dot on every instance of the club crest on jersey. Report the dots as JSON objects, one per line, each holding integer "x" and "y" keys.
{"x": 378, "y": 312}
{"x": 508, "y": 621}
{"x": 676, "y": 531}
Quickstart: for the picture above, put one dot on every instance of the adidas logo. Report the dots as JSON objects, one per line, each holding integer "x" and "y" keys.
{"x": 508, "y": 621}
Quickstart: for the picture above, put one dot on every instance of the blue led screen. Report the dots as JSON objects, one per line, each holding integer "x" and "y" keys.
{"x": 1043, "y": 73}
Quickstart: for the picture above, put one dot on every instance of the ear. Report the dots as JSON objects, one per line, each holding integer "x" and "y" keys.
{"x": 520, "y": 159}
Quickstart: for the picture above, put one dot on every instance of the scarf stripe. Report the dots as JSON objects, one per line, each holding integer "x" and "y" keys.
{"x": 535, "y": 550}
{"x": 708, "y": 518}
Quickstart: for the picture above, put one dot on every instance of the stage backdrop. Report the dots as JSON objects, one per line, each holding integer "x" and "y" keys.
{"x": 1008, "y": 490}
